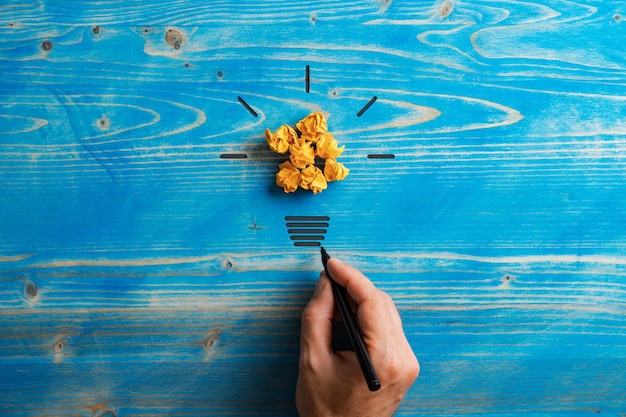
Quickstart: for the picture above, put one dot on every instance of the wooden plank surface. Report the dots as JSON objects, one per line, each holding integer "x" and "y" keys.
{"x": 141, "y": 274}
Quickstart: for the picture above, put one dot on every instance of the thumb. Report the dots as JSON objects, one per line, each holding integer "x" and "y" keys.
{"x": 317, "y": 320}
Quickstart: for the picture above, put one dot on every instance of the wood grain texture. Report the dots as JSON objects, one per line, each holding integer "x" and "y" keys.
{"x": 142, "y": 273}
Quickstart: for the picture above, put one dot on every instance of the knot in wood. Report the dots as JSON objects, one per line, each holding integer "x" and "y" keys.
{"x": 211, "y": 339}
{"x": 103, "y": 123}
{"x": 60, "y": 345}
{"x": 30, "y": 290}
{"x": 446, "y": 9}
{"x": 174, "y": 38}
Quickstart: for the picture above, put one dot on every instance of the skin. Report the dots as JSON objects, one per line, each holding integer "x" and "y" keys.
{"x": 331, "y": 384}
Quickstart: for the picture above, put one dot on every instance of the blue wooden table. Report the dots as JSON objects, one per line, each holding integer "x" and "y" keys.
{"x": 146, "y": 263}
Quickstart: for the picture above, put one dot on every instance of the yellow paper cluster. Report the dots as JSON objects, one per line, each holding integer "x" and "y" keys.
{"x": 310, "y": 139}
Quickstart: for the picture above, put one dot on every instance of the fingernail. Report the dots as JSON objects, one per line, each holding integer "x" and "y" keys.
{"x": 333, "y": 265}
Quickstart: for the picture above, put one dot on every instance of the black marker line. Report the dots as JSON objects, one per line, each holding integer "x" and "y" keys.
{"x": 247, "y": 106}
{"x": 307, "y": 244}
{"x": 367, "y": 106}
{"x": 306, "y": 218}
{"x": 233, "y": 156}
{"x": 381, "y": 156}
{"x": 306, "y": 231}
{"x": 307, "y": 224}
{"x": 307, "y": 237}
{"x": 307, "y": 79}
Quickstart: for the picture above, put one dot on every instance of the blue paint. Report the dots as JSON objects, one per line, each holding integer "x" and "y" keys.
{"x": 165, "y": 279}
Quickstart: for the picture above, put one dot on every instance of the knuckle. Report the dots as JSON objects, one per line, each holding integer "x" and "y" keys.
{"x": 413, "y": 369}
{"x": 384, "y": 299}
{"x": 307, "y": 317}
{"x": 402, "y": 369}
{"x": 308, "y": 363}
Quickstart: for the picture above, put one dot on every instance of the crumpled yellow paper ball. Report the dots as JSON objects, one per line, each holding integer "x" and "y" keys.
{"x": 312, "y": 178}
{"x": 328, "y": 147}
{"x": 288, "y": 177}
{"x": 301, "y": 153}
{"x": 313, "y": 126}
{"x": 280, "y": 140}
{"x": 335, "y": 171}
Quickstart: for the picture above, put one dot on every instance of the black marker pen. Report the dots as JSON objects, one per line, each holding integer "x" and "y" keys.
{"x": 341, "y": 299}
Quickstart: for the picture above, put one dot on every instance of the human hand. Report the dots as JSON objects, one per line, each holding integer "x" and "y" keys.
{"x": 331, "y": 384}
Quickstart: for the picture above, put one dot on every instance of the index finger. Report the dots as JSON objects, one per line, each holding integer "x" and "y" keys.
{"x": 317, "y": 318}
{"x": 358, "y": 286}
